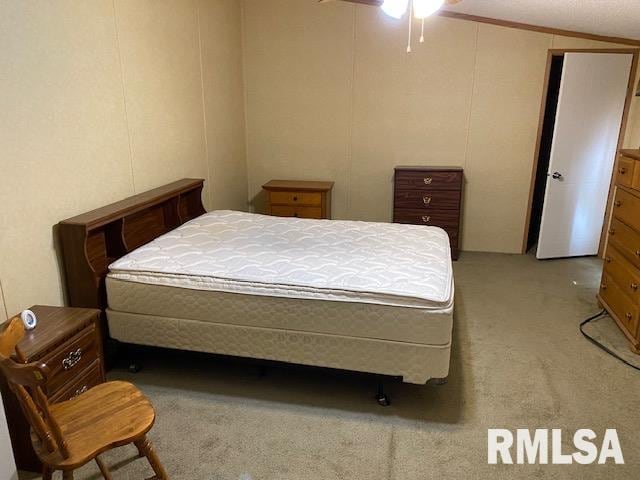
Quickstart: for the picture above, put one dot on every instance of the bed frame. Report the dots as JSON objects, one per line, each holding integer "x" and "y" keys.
{"x": 92, "y": 241}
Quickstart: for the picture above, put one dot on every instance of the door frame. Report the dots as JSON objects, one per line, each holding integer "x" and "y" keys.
{"x": 555, "y": 52}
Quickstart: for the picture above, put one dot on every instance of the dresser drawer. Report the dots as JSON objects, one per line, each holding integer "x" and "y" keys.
{"x": 296, "y": 198}
{"x": 626, "y": 311}
{"x": 88, "y": 379}
{"x": 427, "y": 180}
{"x": 300, "y": 212}
{"x": 626, "y": 240}
{"x": 625, "y": 171}
{"x": 71, "y": 359}
{"x": 626, "y": 207}
{"x": 635, "y": 184}
{"x": 624, "y": 273}
{"x": 433, "y": 200}
{"x": 443, "y": 219}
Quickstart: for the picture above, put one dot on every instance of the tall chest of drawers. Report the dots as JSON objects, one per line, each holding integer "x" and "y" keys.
{"x": 429, "y": 196}
{"x": 620, "y": 286}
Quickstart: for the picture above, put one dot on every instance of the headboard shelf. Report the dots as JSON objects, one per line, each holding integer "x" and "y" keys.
{"x": 93, "y": 240}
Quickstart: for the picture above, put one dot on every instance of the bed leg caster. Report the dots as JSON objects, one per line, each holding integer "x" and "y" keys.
{"x": 381, "y": 397}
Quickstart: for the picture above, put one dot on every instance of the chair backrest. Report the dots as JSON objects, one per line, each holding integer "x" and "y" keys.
{"x": 26, "y": 381}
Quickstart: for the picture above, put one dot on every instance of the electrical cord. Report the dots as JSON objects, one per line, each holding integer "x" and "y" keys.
{"x": 598, "y": 344}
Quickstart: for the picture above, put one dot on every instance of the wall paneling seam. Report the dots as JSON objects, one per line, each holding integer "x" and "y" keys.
{"x": 473, "y": 87}
{"x": 124, "y": 94}
{"x": 207, "y": 160}
{"x": 351, "y": 111}
{"x": 245, "y": 94}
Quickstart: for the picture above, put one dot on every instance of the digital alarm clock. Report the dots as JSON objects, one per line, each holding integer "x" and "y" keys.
{"x": 29, "y": 319}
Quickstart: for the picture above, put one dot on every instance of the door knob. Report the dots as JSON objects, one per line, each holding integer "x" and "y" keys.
{"x": 556, "y": 176}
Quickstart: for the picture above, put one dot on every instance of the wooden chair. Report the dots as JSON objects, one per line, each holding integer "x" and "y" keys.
{"x": 68, "y": 435}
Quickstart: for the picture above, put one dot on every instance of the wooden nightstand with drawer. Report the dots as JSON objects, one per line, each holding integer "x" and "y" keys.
{"x": 68, "y": 341}
{"x": 297, "y": 198}
{"x": 620, "y": 286}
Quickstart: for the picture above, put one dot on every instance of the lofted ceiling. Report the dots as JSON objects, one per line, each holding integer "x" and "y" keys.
{"x": 614, "y": 18}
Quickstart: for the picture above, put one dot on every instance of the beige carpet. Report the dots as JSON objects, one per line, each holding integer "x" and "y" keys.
{"x": 519, "y": 361}
{"x": 605, "y": 331}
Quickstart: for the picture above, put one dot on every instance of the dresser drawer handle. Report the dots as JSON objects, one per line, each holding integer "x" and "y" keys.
{"x": 629, "y": 316}
{"x": 607, "y": 259}
{"x": 634, "y": 286}
{"x": 618, "y": 203}
{"x": 622, "y": 170}
{"x": 426, "y": 200}
{"x": 637, "y": 253}
{"x": 295, "y": 199}
{"x": 72, "y": 359}
{"x": 612, "y": 231}
{"x": 427, "y": 181}
{"x": 426, "y": 218}
{"x": 603, "y": 286}
{"x": 80, "y": 391}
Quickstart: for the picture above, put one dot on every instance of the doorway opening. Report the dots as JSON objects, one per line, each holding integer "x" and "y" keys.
{"x": 544, "y": 155}
{"x": 587, "y": 94}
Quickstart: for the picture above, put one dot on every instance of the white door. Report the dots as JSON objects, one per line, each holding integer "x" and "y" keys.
{"x": 590, "y": 107}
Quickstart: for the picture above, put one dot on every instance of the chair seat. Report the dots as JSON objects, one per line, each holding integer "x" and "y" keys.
{"x": 107, "y": 416}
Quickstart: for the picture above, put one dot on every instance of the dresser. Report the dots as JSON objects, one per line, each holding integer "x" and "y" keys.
{"x": 429, "y": 196}
{"x": 298, "y": 198}
{"x": 68, "y": 341}
{"x": 619, "y": 289}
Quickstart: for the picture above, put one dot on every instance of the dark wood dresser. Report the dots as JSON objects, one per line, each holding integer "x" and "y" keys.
{"x": 298, "y": 198}
{"x": 68, "y": 341}
{"x": 429, "y": 196}
{"x": 620, "y": 286}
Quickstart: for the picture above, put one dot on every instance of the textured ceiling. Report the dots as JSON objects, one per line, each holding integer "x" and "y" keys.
{"x": 617, "y": 18}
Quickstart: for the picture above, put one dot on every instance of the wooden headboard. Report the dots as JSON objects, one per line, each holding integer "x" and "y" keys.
{"x": 93, "y": 240}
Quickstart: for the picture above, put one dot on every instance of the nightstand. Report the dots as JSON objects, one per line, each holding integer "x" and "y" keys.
{"x": 68, "y": 341}
{"x": 297, "y": 198}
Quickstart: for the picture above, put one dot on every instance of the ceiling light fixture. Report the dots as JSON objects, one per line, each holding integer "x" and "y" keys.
{"x": 421, "y": 9}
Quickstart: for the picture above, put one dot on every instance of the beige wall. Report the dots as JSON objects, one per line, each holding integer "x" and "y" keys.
{"x": 331, "y": 94}
{"x": 104, "y": 99}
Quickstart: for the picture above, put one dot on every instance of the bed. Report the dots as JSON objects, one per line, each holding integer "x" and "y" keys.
{"x": 359, "y": 296}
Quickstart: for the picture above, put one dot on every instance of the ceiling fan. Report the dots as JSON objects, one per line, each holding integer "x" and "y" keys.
{"x": 420, "y": 9}
{"x": 397, "y": 8}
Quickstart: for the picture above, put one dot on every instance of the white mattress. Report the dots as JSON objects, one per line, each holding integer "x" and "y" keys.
{"x": 343, "y": 261}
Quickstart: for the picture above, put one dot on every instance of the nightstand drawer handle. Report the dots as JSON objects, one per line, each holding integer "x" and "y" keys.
{"x": 603, "y": 286}
{"x": 637, "y": 253}
{"x": 80, "y": 391}
{"x": 426, "y": 200}
{"x": 622, "y": 170}
{"x": 428, "y": 180}
{"x": 634, "y": 286}
{"x": 295, "y": 199}
{"x": 426, "y": 218}
{"x": 629, "y": 316}
{"x": 618, "y": 203}
{"x": 72, "y": 359}
{"x": 612, "y": 231}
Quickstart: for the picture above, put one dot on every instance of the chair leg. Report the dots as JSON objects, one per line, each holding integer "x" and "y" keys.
{"x": 103, "y": 469}
{"x": 144, "y": 446}
{"x": 47, "y": 473}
